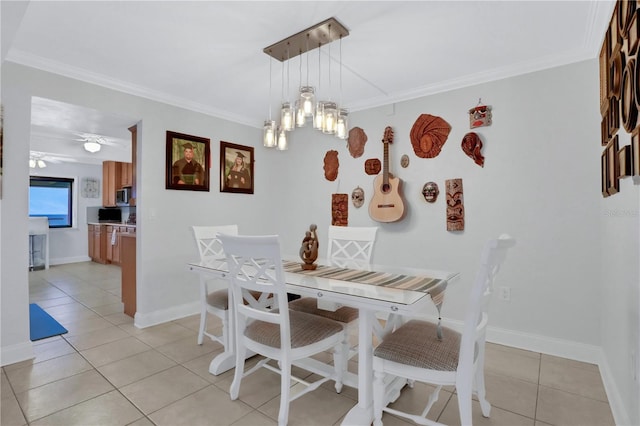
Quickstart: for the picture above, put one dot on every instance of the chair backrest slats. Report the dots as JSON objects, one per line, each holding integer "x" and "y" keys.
{"x": 493, "y": 255}
{"x": 350, "y": 242}
{"x": 255, "y": 264}
{"x": 209, "y": 246}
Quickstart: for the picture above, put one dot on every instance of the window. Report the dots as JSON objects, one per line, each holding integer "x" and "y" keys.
{"x": 52, "y": 197}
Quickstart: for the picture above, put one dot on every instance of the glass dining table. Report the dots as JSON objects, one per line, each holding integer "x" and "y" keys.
{"x": 383, "y": 290}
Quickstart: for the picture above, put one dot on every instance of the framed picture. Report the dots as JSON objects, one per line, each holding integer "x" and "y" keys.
{"x": 604, "y": 164}
{"x": 188, "y": 162}
{"x": 613, "y": 167}
{"x": 236, "y": 168}
{"x": 635, "y": 154}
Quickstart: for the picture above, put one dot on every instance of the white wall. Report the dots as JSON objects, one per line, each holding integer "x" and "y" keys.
{"x": 620, "y": 253}
{"x": 68, "y": 245}
{"x": 540, "y": 183}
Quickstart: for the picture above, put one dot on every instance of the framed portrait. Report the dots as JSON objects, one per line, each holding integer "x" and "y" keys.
{"x": 188, "y": 162}
{"x": 236, "y": 168}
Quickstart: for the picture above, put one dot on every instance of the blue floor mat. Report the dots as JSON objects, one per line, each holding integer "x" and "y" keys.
{"x": 42, "y": 325}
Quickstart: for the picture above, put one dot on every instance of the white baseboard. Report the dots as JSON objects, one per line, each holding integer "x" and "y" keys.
{"x": 16, "y": 353}
{"x": 165, "y": 315}
{"x": 620, "y": 414}
{"x": 65, "y": 260}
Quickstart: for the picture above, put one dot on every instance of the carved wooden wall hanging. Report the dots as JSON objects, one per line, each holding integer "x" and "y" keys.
{"x": 356, "y": 141}
{"x": 620, "y": 95}
{"x": 331, "y": 165}
{"x": 372, "y": 166}
{"x": 455, "y": 205}
{"x": 339, "y": 209}
{"x": 404, "y": 161}
{"x": 428, "y": 135}
{"x": 471, "y": 145}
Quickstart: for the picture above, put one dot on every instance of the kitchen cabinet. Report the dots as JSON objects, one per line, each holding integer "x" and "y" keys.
{"x": 115, "y": 175}
{"x": 110, "y": 182}
{"x": 113, "y": 246}
{"x": 98, "y": 243}
{"x": 126, "y": 171}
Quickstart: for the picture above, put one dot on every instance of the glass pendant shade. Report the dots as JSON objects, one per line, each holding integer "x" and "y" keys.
{"x": 301, "y": 119}
{"x": 318, "y": 116}
{"x": 282, "y": 140}
{"x": 286, "y": 117}
{"x": 32, "y": 163}
{"x": 342, "y": 123}
{"x": 307, "y": 100}
{"x": 269, "y": 134}
{"x": 330, "y": 118}
{"x": 41, "y": 164}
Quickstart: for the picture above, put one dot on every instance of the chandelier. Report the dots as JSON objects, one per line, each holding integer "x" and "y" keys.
{"x": 327, "y": 116}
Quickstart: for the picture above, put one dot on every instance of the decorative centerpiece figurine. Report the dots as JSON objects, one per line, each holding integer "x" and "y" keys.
{"x": 309, "y": 249}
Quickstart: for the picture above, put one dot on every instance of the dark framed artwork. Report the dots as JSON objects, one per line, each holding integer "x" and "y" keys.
{"x": 188, "y": 162}
{"x": 635, "y": 154}
{"x": 236, "y": 168}
{"x": 613, "y": 167}
{"x": 604, "y": 164}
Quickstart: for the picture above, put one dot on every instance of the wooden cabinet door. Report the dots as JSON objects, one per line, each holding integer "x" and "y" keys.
{"x": 126, "y": 172}
{"x": 97, "y": 246}
{"x": 110, "y": 172}
{"x": 110, "y": 246}
{"x": 90, "y": 231}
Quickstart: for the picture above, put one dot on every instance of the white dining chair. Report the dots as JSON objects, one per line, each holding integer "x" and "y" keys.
{"x": 255, "y": 265}
{"x": 346, "y": 246}
{"x": 215, "y": 302}
{"x": 414, "y": 352}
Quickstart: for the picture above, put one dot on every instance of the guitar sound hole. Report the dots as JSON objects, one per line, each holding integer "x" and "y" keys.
{"x": 386, "y": 188}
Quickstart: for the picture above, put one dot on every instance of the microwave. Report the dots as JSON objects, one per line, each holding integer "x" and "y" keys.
{"x": 123, "y": 196}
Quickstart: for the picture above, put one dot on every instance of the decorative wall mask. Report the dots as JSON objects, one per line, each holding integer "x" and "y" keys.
{"x": 430, "y": 192}
{"x": 471, "y": 145}
{"x": 356, "y": 141}
{"x": 372, "y": 166}
{"x": 339, "y": 209}
{"x": 428, "y": 135}
{"x": 479, "y": 116}
{"x": 404, "y": 161}
{"x": 331, "y": 165}
{"x": 455, "y": 205}
{"x": 357, "y": 197}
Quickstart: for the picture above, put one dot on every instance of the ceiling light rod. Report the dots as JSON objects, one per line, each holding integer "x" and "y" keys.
{"x": 308, "y": 39}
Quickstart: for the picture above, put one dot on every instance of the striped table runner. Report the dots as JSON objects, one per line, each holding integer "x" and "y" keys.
{"x": 433, "y": 286}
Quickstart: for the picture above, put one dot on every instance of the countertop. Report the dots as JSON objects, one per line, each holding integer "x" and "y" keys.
{"x": 111, "y": 222}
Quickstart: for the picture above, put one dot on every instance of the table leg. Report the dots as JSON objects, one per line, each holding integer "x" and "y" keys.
{"x": 362, "y": 413}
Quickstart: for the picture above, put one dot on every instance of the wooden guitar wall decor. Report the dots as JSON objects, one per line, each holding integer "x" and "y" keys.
{"x": 455, "y": 205}
{"x": 386, "y": 204}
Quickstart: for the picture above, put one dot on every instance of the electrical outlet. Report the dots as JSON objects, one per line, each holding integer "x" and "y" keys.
{"x": 505, "y": 294}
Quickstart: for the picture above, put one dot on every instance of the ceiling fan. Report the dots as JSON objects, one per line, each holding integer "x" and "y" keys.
{"x": 38, "y": 159}
{"x": 93, "y": 143}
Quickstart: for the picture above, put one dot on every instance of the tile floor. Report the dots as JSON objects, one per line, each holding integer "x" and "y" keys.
{"x": 107, "y": 372}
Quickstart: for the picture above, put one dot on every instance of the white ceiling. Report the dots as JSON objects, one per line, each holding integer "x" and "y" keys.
{"x": 207, "y": 56}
